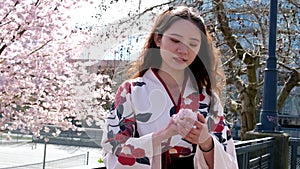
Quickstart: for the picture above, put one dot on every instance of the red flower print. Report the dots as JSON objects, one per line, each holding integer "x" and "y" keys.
{"x": 129, "y": 155}
{"x": 119, "y": 98}
{"x": 126, "y": 159}
{"x": 138, "y": 153}
{"x": 121, "y": 137}
{"x": 193, "y": 97}
{"x": 127, "y": 87}
{"x": 218, "y": 127}
{"x": 190, "y": 102}
{"x": 130, "y": 120}
{"x": 201, "y": 97}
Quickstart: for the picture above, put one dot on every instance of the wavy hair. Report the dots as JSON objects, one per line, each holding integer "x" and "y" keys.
{"x": 206, "y": 68}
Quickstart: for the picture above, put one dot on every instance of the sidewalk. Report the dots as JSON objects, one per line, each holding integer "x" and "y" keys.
{"x": 16, "y": 154}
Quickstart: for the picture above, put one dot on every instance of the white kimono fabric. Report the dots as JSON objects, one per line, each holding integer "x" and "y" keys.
{"x": 144, "y": 105}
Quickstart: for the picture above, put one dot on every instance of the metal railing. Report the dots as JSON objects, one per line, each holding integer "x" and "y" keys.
{"x": 251, "y": 154}
{"x": 294, "y": 160}
{"x": 89, "y": 137}
{"x": 255, "y": 154}
{"x": 74, "y": 161}
{"x": 6, "y": 138}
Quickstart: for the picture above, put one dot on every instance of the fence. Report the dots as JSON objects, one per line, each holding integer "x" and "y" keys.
{"x": 259, "y": 153}
{"x": 254, "y": 154}
{"x": 294, "y": 159}
{"x": 73, "y": 161}
{"x": 293, "y": 131}
{"x": 14, "y": 138}
{"x": 251, "y": 154}
{"x": 89, "y": 137}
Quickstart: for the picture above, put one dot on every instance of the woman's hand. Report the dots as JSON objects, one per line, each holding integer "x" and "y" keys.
{"x": 185, "y": 120}
{"x": 194, "y": 131}
{"x": 171, "y": 128}
{"x": 167, "y": 132}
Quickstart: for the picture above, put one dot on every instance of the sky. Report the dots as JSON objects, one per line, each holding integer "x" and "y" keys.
{"x": 114, "y": 12}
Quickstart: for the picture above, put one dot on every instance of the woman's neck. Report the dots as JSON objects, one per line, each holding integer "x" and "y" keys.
{"x": 172, "y": 78}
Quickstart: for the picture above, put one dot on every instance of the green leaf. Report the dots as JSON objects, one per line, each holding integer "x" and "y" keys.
{"x": 143, "y": 117}
{"x": 100, "y": 160}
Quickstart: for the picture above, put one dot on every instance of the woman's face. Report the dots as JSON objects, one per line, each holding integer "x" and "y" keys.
{"x": 179, "y": 45}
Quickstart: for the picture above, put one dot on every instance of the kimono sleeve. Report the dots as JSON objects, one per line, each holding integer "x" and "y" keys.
{"x": 122, "y": 146}
{"x": 224, "y": 150}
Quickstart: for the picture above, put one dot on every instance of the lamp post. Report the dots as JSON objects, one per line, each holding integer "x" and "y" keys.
{"x": 268, "y": 126}
{"x": 268, "y": 115}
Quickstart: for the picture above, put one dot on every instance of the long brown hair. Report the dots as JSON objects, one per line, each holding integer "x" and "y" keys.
{"x": 205, "y": 68}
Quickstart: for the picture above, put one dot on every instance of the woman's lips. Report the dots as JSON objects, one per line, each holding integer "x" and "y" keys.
{"x": 180, "y": 60}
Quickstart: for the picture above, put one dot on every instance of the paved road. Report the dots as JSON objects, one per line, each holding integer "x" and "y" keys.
{"x": 15, "y": 154}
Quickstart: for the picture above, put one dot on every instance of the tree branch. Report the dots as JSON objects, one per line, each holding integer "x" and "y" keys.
{"x": 292, "y": 81}
{"x": 285, "y": 66}
{"x": 142, "y": 13}
{"x": 2, "y": 48}
{"x": 237, "y": 82}
{"x": 231, "y": 41}
{"x": 39, "y": 47}
{"x": 294, "y": 3}
{"x": 234, "y": 106}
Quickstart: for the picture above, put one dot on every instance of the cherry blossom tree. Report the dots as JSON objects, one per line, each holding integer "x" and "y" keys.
{"x": 38, "y": 64}
{"x": 94, "y": 93}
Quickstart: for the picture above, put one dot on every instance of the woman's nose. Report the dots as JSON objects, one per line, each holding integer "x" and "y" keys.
{"x": 182, "y": 48}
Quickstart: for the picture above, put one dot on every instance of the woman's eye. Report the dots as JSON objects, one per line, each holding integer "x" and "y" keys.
{"x": 193, "y": 45}
{"x": 175, "y": 40}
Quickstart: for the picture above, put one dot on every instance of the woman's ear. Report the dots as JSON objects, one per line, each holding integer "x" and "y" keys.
{"x": 157, "y": 39}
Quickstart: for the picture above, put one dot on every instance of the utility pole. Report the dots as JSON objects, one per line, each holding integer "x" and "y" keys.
{"x": 268, "y": 126}
{"x": 269, "y": 115}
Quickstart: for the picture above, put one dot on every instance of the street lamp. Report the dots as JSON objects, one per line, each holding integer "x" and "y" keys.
{"x": 269, "y": 115}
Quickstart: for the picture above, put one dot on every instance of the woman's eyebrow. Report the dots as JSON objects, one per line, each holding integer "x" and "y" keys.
{"x": 191, "y": 38}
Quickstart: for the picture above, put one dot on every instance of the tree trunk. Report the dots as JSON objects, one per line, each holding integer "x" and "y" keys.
{"x": 248, "y": 111}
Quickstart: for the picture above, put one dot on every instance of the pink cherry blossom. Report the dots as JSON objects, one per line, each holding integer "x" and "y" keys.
{"x": 39, "y": 80}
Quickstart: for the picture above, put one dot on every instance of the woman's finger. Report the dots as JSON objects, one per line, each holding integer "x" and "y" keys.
{"x": 201, "y": 117}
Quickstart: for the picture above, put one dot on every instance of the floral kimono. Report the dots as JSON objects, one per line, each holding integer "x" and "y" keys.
{"x": 143, "y": 106}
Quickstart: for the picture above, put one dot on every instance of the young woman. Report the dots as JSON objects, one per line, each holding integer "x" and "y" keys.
{"x": 169, "y": 114}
